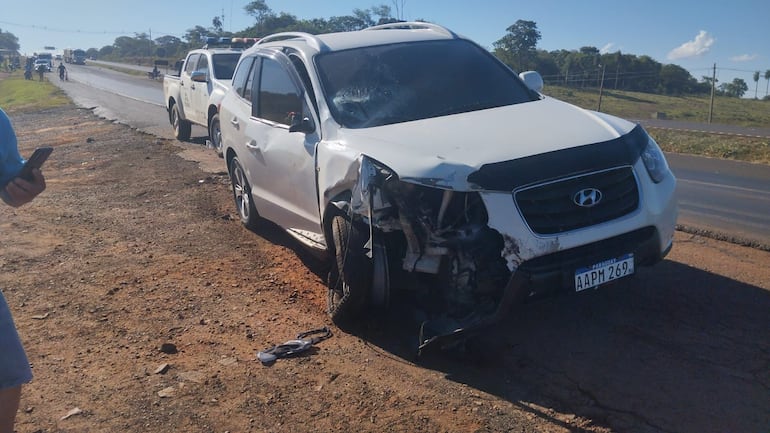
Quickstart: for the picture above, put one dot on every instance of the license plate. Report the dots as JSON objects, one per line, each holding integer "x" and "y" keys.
{"x": 604, "y": 272}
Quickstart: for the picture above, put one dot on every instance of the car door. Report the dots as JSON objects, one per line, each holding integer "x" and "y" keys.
{"x": 235, "y": 110}
{"x": 200, "y": 91}
{"x": 186, "y": 84}
{"x": 281, "y": 164}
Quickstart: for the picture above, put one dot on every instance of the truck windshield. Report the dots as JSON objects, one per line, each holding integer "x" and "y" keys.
{"x": 224, "y": 65}
{"x": 381, "y": 85}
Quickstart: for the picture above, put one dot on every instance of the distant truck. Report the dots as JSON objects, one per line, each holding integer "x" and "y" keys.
{"x": 76, "y": 56}
{"x": 194, "y": 92}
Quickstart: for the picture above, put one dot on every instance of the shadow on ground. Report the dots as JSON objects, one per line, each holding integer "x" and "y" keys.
{"x": 674, "y": 348}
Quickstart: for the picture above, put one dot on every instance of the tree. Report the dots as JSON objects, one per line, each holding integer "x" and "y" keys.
{"x": 216, "y": 23}
{"x": 756, "y": 83}
{"x": 520, "y": 42}
{"x": 767, "y": 87}
{"x": 260, "y": 11}
{"x": 196, "y": 36}
{"x": 737, "y": 88}
{"x": 9, "y": 41}
{"x": 675, "y": 80}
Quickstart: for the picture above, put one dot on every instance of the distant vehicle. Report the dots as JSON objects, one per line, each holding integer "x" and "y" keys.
{"x": 76, "y": 56}
{"x": 193, "y": 94}
{"x": 48, "y": 57}
{"x": 44, "y": 64}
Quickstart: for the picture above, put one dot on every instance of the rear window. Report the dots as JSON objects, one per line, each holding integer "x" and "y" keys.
{"x": 224, "y": 65}
{"x": 381, "y": 85}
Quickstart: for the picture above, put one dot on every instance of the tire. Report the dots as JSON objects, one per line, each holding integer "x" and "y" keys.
{"x": 181, "y": 126}
{"x": 242, "y": 196}
{"x": 215, "y": 134}
{"x": 351, "y": 280}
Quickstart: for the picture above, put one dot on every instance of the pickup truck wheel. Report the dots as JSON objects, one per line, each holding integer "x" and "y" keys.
{"x": 215, "y": 134}
{"x": 242, "y": 195}
{"x": 351, "y": 280}
{"x": 182, "y": 127}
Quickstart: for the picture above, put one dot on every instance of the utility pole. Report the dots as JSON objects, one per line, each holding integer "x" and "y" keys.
{"x": 713, "y": 89}
{"x": 601, "y": 88}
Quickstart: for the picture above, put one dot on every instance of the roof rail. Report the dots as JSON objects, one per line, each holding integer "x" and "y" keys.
{"x": 307, "y": 37}
{"x": 415, "y": 25}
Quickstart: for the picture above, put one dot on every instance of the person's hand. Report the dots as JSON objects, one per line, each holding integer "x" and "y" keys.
{"x": 20, "y": 191}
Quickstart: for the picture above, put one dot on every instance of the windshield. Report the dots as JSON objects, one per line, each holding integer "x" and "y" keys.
{"x": 224, "y": 65}
{"x": 380, "y": 85}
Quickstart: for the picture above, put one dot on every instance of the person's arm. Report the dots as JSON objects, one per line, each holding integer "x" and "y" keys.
{"x": 19, "y": 191}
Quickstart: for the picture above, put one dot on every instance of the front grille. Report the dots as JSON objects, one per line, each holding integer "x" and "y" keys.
{"x": 549, "y": 208}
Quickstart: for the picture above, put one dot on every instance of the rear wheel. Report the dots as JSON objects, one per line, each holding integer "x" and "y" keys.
{"x": 242, "y": 195}
{"x": 351, "y": 280}
{"x": 181, "y": 127}
{"x": 215, "y": 134}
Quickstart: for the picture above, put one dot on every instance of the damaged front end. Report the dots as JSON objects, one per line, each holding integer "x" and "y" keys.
{"x": 433, "y": 246}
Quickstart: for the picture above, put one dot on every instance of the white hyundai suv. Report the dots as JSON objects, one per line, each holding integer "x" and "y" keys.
{"x": 432, "y": 174}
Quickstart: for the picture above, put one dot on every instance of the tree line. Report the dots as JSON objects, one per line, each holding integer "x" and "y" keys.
{"x": 588, "y": 67}
{"x": 585, "y": 67}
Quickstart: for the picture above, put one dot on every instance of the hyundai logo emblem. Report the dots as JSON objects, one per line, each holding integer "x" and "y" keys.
{"x": 588, "y": 197}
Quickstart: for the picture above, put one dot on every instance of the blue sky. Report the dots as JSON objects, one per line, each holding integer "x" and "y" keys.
{"x": 692, "y": 34}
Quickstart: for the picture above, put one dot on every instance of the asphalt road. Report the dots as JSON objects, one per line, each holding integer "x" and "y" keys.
{"x": 729, "y": 198}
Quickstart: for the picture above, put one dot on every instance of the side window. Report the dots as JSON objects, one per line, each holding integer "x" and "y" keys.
{"x": 242, "y": 74}
{"x": 192, "y": 61}
{"x": 279, "y": 99}
{"x": 249, "y": 88}
{"x": 203, "y": 64}
{"x": 304, "y": 76}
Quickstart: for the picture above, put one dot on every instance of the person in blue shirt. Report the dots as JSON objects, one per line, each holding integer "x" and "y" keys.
{"x": 14, "y": 366}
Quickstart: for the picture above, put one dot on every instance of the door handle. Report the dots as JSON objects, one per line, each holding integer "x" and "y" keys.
{"x": 252, "y": 145}
{"x": 234, "y": 122}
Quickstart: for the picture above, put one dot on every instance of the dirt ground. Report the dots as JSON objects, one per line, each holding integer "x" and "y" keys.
{"x": 135, "y": 244}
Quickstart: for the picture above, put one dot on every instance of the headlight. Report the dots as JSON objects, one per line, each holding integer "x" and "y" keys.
{"x": 654, "y": 161}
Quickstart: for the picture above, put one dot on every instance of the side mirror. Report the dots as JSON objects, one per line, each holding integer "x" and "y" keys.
{"x": 533, "y": 80}
{"x": 198, "y": 77}
{"x": 300, "y": 124}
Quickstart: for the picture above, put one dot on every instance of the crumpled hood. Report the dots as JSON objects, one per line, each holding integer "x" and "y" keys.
{"x": 443, "y": 151}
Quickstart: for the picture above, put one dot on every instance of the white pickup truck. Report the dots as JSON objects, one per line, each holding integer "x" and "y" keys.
{"x": 193, "y": 94}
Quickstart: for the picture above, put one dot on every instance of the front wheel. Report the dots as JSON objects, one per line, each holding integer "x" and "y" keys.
{"x": 182, "y": 127}
{"x": 351, "y": 279}
{"x": 242, "y": 195}
{"x": 215, "y": 134}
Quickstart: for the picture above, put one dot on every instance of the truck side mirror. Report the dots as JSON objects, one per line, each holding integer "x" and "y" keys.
{"x": 198, "y": 77}
{"x": 533, "y": 80}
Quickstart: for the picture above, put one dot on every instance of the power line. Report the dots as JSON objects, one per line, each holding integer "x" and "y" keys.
{"x": 78, "y": 31}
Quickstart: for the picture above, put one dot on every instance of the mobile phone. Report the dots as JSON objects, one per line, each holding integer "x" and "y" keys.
{"x": 35, "y": 161}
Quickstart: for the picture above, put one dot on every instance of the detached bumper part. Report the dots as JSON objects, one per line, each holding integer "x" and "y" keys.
{"x": 445, "y": 331}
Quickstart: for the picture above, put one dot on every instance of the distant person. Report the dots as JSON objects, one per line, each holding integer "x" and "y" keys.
{"x": 155, "y": 72}
{"x": 14, "y": 365}
{"x": 62, "y": 71}
{"x": 40, "y": 70}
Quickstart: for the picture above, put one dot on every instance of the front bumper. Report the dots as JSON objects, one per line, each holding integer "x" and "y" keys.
{"x": 555, "y": 272}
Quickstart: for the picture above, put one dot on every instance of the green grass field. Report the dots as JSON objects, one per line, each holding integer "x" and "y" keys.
{"x": 18, "y": 94}
{"x": 634, "y": 105}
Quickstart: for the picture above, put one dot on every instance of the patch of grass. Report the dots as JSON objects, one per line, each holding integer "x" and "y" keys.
{"x": 18, "y": 94}
{"x": 635, "y": 105}
{"x": 750, "y": 149}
